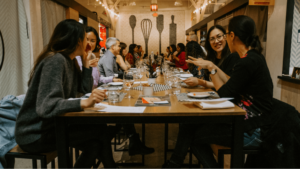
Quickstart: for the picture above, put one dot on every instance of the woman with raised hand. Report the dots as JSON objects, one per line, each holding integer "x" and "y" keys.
{"x": 218, "y": 53}
{"x": 54, "y": 79}
{"x": 93, "y": 40}
{"x": 193, "y": 49}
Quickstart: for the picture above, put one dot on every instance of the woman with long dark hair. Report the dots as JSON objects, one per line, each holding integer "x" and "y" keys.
{"x": 54, "y": 79}
{"x": 194, "y": 49}
{"x": 217, "y": 52}
{"x": 179, "y": 58}
{"x": 93, "y": 40}
{"x": 168, "y": 54}
{"x": 131, "y": 56}
{"x": 122, "y": 64}
{"x": 250, "y": 84}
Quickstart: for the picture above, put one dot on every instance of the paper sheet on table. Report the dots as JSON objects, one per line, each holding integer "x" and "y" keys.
{"x": 140, "y": 82}
{"x": 215, "y": 105}
{"x": 121, "y": 109}
{"x": 209, "y": 100}
{"x": 161, "y": 102}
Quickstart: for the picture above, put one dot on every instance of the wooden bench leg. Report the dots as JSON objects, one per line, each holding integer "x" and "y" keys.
{"x": 34, "y": 163}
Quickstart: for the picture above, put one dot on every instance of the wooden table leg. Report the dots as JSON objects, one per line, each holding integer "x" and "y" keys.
{"x": 62, "y": 145}
{"x": 237, "y": 157}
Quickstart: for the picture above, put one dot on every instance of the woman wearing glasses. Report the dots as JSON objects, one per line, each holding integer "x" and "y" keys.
{"x": 250, "y": 84}
{"x": 217, "y": 52}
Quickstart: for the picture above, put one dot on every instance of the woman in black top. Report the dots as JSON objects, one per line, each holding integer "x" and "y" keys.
{"x": 55, "y": 78}
{"x": 217, "y": 52}
{"x": 250, "y": 84}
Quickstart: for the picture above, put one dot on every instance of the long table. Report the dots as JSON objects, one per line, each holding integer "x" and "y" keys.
{"x": 178, "y": 112}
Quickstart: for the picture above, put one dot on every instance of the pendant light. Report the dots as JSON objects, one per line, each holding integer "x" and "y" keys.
{"x": 153, "y": 6}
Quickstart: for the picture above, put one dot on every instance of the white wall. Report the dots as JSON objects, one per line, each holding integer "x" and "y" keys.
{"x": 124, "y": 31}
{"x": 275, "y": 43}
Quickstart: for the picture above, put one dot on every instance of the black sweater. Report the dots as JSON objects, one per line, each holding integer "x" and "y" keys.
{"x": 251, "y": 85}
{"x": 54, "y": 81}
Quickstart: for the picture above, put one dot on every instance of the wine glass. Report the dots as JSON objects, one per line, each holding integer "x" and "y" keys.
{"x": 128, "y": 81}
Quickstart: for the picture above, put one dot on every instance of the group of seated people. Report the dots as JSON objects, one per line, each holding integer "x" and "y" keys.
{"x": 233, "y": 65}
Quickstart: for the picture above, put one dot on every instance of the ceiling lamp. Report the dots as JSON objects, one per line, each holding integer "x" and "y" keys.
{"x": 178, "y": 3}
{"x": 153, "y": 6}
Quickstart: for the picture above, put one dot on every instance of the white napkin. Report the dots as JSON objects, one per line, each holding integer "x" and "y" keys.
{"x": 161, "y": 102}
{"x": 214, "y": 105}
{"x": 210, "y": 100}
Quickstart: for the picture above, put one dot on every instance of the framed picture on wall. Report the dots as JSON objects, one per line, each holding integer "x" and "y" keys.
{"x": 296, "y": 73}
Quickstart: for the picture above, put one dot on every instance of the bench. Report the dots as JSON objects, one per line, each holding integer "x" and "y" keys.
{"x": 17, "y": 152}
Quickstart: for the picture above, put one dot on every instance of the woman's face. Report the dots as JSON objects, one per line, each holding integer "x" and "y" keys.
{"x": 136, "y": 49}
{"x": 217, "y": 40}
{"x": 91, "y": 39}
{"x": 124, "y": 52}
{"x": 141, "y": 49}
{"x": 167, "y": 50}
{"x": 178, "y": 48}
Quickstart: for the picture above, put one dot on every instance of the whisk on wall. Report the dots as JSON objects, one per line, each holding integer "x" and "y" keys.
{"x": 146, "y": 26}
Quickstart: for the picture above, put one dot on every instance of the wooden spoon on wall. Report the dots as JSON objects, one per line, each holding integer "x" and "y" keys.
{"x": 132, "y": 22}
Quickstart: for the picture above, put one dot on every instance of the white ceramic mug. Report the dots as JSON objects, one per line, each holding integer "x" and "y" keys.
{"x": 147, "y": 90}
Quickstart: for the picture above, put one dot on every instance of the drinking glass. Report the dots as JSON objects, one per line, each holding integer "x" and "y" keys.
{"x": 128, "y": 81}
{"x": 113, "y": 96}
{"x": 177, "y": 88}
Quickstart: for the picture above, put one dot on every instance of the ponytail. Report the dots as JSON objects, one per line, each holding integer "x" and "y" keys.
{"x": 244, "y": 28}
{"x": 254, "y": 42}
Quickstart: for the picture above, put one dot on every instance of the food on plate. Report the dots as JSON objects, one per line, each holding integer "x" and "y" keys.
{"x": 145, "y": 84}
{"x": 150, "y": 99}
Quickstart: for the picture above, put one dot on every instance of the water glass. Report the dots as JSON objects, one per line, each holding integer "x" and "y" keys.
{"x": 128, "y": 81}
{"x": 113, "y": 96}
{"x": 177, "y": 88}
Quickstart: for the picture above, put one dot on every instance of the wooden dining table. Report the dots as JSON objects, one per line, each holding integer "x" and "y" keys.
{"x": 178, "y": 112}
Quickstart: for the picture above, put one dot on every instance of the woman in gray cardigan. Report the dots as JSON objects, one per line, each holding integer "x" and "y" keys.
{"x": 56, "y": 77}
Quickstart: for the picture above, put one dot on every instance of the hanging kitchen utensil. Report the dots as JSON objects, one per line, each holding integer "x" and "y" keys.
{"x": 132, "y": 22}
{"x": 146, "y": 26}
{"x": 173, "y": 29}
{"x": 3, "y": 51}
{"x": 160, "y": 28}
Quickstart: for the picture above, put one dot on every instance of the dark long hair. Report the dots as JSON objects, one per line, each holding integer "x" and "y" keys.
{"x": 131, "y": 51}
{"x": 244, "y": 28}
{"x": 182, "y": 48}
{"x": 123, "y": 47}
{"x": 91, "y": 29}
{"x": 193, "y": 49}
{"x": 173, "y": 49}
{"x": 64, "y": 40}
{"x": 139, "y": 53}
{"x": 212, "y": 54}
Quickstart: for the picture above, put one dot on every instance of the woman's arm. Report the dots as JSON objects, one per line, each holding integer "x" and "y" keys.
{"x": 121, "y": 63}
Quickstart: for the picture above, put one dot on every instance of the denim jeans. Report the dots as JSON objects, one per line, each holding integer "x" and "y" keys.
{"x": 93, "y": 140}
{"x": 199, "y": 137}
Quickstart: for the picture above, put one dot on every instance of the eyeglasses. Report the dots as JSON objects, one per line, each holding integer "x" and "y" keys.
{"x": 219, "y": 38}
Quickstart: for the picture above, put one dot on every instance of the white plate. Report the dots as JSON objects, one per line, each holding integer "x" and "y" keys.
{"x": 138, "y": 82}
{"x": 198, "y": 94}
{"x": 132, "y": 68}
{"x": 186, "y": 75}
{"x": 116, "y": 83}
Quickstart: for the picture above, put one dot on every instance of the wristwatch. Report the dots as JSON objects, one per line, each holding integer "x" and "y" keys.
{"x": 213, "y": 71}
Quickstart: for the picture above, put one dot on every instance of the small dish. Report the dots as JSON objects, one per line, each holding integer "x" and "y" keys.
{"x": 116, "y": 83}
{"x": 198, "y": 94}
{"x": 186, "y": 75}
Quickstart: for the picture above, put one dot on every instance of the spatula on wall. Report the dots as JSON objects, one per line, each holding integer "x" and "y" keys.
{"x": 132, "y": 22}
{"x": 160, "y": 28}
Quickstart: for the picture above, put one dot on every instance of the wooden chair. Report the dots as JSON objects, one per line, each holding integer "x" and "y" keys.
{"x": 17, "y": 152}
{"x": 220, "y": 151}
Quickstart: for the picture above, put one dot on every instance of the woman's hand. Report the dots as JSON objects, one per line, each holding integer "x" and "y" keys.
{"x": 117, "y": 80}
{"x": 86, "y": 58}
{"x": 203, "y": 64}
{"x": 94, "y": 62}
{"x": 192, "y": 81}
{"x": 96, "y": 96}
